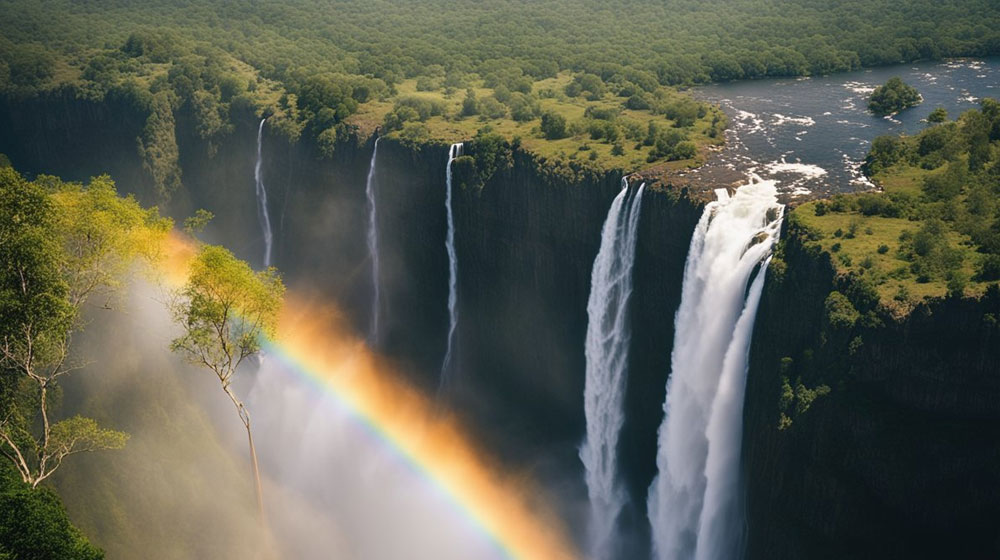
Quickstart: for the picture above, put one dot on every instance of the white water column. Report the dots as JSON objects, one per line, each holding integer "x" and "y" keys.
{"x": 606, "y": 350}
{"x": 453, "y": 152}
{"x": 373, "y": 255}
{"x": 695, "y": 500}
{"x": 262, "y": 216}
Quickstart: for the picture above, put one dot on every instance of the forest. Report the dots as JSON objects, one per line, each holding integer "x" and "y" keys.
{"x": 935, "y": 228}
{"x": 313, "y": 65}
{"x": 556, "y": 103}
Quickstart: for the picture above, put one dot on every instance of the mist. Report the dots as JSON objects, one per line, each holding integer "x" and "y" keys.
{"x": 182, "y": 487}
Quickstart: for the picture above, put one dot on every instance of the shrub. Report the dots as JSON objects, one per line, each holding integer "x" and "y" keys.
{"x": 553, "y": 125}
{"x": 948, "y": 184}
{"x": 470, "y": 105}
{"x": 415, "y": 133}
{"x": 938, "y": 115}
{"x": 684, "y": 150}
{"x": 490, "y": 108}
{"x": 638, "y": 102}
{"x": 839, "y": 311}
{"x": 989, "y": 268}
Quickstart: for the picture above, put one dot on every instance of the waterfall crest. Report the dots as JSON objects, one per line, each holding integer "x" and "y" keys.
{"x": 453, "y": 152}
{"x": 694, "y": 502}
{"x": 372, "y": 239}
{"x": 606, "y": 350}
{"x": 262, "y": 215}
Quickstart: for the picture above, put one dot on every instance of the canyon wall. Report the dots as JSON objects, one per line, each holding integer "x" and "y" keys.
{"x": 900, "y": 458}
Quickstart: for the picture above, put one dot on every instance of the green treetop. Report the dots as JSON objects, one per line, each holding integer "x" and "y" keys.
{"x": 893, "y": 97}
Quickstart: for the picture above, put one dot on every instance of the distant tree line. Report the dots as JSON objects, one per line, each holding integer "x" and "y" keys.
{"x": 311, "y": 63}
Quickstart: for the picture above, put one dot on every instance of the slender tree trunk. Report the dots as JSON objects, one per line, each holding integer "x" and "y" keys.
{"x": 43, "y": 453}
{"x": 244, "y": 414}
{"x": 256, "y": 476}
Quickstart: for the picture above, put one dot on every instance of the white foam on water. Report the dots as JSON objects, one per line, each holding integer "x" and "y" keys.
{"x": 806, "y": 170}
{"x": 780, "y": 119}
{"x": 859, "y": 87}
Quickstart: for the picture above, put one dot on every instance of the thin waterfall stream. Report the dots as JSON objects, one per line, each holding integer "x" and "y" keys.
{"x": 262, "y": 213}
{"x": 373, "y": 254}
{"x": 606, "y": 350}
{"x": 453, "y": 152}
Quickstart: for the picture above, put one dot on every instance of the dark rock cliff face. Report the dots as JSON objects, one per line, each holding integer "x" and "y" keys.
{"x": 74, "y": 139}
{"x": 900, "y": 459}
{"x": 525, "y": 241}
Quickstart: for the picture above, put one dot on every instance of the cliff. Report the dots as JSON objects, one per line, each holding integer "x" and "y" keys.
{"x": 526, "y": 240}
{"x": 867, "y": 434}
{"x": 899, "y": 459}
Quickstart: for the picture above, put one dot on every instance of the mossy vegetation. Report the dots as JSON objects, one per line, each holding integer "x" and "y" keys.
{"x": 934, "y": 229}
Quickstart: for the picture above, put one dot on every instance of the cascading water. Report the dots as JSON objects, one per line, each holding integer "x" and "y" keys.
{"x": 453, "y": 152}
{"x": 695, "y": 500}
{"x": 372, "y": 237}
{"x": 606, "y": 352}
{"x": 262, "y": 215}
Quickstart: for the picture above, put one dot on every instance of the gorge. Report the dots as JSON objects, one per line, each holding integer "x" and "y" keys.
{"x": 530, "y": 241}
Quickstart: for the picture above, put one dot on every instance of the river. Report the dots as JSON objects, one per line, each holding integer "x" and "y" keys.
{"x": 812, "y": 134}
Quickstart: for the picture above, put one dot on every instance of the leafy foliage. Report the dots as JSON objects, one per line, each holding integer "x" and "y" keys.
{"x": 33, "y": 524}
{"x": 892, "y": 97}
{"x": 309, "y": 67}
{"x": 61, "y": 244}
{"x": 935, "y": 230}
{"x": 225, "y": 308}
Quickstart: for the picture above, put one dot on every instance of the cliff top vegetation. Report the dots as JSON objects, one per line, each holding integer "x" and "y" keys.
{"x": 534, "y": 69}
{"x": 934, "y": 229}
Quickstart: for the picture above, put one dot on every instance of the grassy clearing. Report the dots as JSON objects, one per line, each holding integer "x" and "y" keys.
{"x": 452, "y": 127}
{"x": 888, "y": 269}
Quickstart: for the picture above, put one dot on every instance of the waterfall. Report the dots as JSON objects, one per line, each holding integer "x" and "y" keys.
{"x": 262, "y": 215}
{"x": 606, "y": 352}
{"x": 694, "y": 502}
{"x": 453, "y": 152}
{"x": 373, "y": 247}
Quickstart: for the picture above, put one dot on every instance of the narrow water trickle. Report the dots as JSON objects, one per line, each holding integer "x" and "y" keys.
{"x": 372, "y": 238}
{"x": 606, "y": 351}
{"x": 694, "y": 503}
{"x": 453, "y": 152}
{"x": 262, "y": 215}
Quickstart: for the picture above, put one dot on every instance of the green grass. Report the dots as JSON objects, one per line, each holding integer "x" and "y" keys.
{"x": 453, "y": 128}
{"x": 889, "y": 270}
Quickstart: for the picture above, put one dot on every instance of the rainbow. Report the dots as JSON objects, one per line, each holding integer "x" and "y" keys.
{"x": 314, "y": 344}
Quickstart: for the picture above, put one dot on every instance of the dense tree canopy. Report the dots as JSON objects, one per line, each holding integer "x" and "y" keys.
{"x": 894, "y": 96}
{"x": 62, "y": 245}
{"x": 313, "y": 62}
{"x": 33, "y": 524}
{"x": 683, "y": 41}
